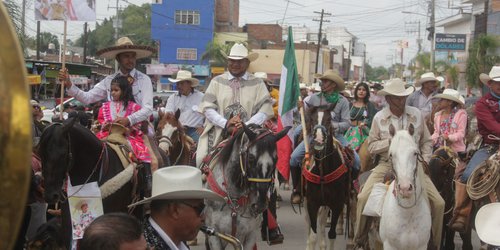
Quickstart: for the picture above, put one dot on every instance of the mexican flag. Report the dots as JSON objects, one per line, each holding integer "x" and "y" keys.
{"x": 289, "y": 94}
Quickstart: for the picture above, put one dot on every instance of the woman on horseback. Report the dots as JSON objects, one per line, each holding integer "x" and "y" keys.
{"x": 449, "y": 130}
{"x": 121, "y": 106}
{"x": 361, "y": 114}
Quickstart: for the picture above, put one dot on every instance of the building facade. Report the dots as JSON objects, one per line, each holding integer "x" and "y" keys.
{"x": 183, "y": 30}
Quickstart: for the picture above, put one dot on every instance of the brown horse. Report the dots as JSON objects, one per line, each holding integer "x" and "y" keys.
{"x": 173, "y": 140}
{"x": 326, "y": 176}
{"x": 442, "y": 170}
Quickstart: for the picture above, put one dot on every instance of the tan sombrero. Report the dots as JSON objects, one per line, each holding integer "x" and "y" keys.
{"x": 333, "y": 76}
{"x": 494, "y": 75}
{"x": 239, "y": 51}
{"x": 124, "y": 44}
{"x": 395, "y": 87}
{"x": 263, "y": 76}
{"x": 426, "y": 77}
{"x": 184, "y": 75}
{"x": 452, "y": 95}
{"x": 178, "y": 183}
{"x": 488, "y": 224}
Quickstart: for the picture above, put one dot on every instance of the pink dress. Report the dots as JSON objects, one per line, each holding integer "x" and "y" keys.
{"x": 108, "y": 113}
{"x": 454, "y": 128}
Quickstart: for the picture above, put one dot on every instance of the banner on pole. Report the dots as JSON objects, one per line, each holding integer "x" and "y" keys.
{"x": 65, "y": 10}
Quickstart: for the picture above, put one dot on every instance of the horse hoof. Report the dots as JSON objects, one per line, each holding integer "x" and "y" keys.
{"x": 296, "y": 199}
{"x": 286, "y": 186}
{"x": 278, "y": 197}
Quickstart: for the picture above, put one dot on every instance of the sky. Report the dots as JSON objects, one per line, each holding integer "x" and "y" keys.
{"x": 377, "y": 23}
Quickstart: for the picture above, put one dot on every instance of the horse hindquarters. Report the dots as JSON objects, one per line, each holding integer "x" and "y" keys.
{"x": 405, "y": 228}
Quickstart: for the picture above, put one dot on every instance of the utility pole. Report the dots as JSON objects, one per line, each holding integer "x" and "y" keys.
{"x": 349, "y": 60}
{"x": 364, "y": 65}
{"x": 23, "y": 21}
{"x": 320, "y": 34}
{"x": 37, "y": 40}
{"x": 117, "y": 24}
{"x": 433, "y": 29}
{"x": 85, "y": 36}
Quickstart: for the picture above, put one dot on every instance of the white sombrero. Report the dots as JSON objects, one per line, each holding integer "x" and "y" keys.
{"x": 239, "y": 51}
{"x": 488, "y": 223}
{"x": 494, "y": 75}
{"x": 395, "y": 87}
{"x": 178, "y": 183}
{"x": 124, "y": 44}
{"x": 452, "y": 95}
{"x": 426, "y": 77}
{"x": 184, "y": 75}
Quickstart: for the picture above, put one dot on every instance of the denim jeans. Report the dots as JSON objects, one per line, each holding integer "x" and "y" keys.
{"x": 191, "y": 132}
{"x": 299, "y": 152}
{"x": 479, "y": 157}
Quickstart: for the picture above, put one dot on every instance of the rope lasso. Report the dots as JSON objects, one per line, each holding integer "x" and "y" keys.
{"x": 479, "y": 187}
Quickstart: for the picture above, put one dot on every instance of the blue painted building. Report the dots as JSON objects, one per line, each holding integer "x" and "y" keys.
{"x": 183, "y": 29}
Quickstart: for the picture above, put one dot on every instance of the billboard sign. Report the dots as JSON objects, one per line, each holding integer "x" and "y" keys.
{"x": 450, "y": 41}
{"x": 65, "y": 10}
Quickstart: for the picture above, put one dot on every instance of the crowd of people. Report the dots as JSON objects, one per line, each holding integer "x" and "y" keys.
{"x": 237, "y": 98}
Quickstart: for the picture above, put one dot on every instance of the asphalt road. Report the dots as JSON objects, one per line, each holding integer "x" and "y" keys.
{"x": 294, "y": 229}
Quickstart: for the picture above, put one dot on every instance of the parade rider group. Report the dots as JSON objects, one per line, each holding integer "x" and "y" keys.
{"x": 238, "y": 97}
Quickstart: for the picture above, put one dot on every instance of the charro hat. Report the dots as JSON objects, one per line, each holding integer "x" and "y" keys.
{"x": 494, "y": 75}
{"x": 452, "y": 95}
{"x": 332, "y": 76}
{"x": 426, "y": 77}
{"x": 239, "y": 51}
{"x": 263, "y": 76}
{"x": 184, "y": 75}
{"x": 395, "y": 87}
{"x": 488, "y": 223}
{"x": 178, "y": 183}
{"x": 124, "y": 44}
{"x": 302, "y": 86}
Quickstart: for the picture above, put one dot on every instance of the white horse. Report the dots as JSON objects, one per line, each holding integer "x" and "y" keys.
{"x": 406, "y": 215}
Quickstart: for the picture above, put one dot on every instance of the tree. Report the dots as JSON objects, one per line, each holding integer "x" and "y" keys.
{"x": 481, "y": 57}
{"x": 376, "y": 74}
{"x": 214, "y": 53}
{"x": 136, "y": 24}
{"x": 15, "y": 14}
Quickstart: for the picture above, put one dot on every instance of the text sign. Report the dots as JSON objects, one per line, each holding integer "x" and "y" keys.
{"x": 450, "y": 41}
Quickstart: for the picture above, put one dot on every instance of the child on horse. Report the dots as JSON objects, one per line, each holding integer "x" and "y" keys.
{"x": 121, "y": 106}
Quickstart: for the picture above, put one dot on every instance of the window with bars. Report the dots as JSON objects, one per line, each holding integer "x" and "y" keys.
{"x": 187, "y": 54}
{"x": 190, "y": 17}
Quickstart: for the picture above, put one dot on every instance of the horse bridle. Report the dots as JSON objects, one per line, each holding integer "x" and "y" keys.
{"x": 396, "y": 186}
{"x": 168, "y": 140}
{"x": 244, "y": 159}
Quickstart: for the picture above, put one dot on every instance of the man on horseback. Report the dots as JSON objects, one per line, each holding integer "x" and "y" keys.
{"x": 187, "y": 102}
{"x": 400, "y": 116}
{"x": 231, "y": 99}
{"x": 422, "y": 98}
{"x": 488, "y": 122}
{"x": 331, "y": 85}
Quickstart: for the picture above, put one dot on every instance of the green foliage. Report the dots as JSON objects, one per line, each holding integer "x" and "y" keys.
{"x": 136, "y": 24}
{"x": 423, "y": 63}
{"x": 15, "y": 14}
{"x": 214, "y": 52}
{"x": 377, "y": 73}
{"x": 482, "y": 56}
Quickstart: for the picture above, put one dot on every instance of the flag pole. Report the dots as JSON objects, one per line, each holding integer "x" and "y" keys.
{"x": 304, "y": 134}
{"x": 63, "y": 62}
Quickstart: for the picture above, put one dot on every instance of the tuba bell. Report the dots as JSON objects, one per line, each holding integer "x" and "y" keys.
{"x": 15, "y": 133}
{"x": 210, "y": 231}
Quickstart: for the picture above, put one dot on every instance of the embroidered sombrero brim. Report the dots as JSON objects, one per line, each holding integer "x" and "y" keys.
{"x": 141, "y": 51}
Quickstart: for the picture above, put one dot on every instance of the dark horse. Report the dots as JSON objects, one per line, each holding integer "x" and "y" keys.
{"x": 242, "y": 173}
{"x": 173, "y": 140}
{"x": 442, "y": 170}
{"x": 70, "y": 149}
{"x": 327, "y": 179}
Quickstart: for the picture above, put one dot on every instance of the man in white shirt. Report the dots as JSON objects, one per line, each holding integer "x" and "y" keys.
{"x": 126, "y": 54}
{"x": 422, "y": 98}
{"x": 177, "y": 207}
{"x": 187, "y": 101}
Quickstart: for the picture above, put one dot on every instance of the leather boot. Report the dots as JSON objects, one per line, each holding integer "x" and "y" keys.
{"x": 463, "y": 206}
{"x": 296, "y": 175}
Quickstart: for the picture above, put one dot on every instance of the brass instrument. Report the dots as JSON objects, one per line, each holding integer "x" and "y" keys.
{"x": 229, "y": 238}
{"x": 15, "y": 133}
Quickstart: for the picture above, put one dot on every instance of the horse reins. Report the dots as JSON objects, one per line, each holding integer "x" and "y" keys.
{"x": 167, "y": 140}
{"x": 245, "y": 152}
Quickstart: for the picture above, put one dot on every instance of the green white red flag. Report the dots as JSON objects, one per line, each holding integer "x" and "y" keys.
{"x": 289, "y": 94}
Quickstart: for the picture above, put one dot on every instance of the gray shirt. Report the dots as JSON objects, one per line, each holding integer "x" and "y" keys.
{"x": 340, "y": 114}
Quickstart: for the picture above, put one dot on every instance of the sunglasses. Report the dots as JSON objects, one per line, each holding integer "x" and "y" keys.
{"x": 36, "y": 107}
{"x": 199, "y": 209}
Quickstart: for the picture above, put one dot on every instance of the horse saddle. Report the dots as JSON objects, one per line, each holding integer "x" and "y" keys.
{"x": 117, "y": 141}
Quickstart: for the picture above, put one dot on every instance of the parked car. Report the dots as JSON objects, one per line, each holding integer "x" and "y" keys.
{"x": 72, "y": 103}
{"x": 164, "y": 95}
